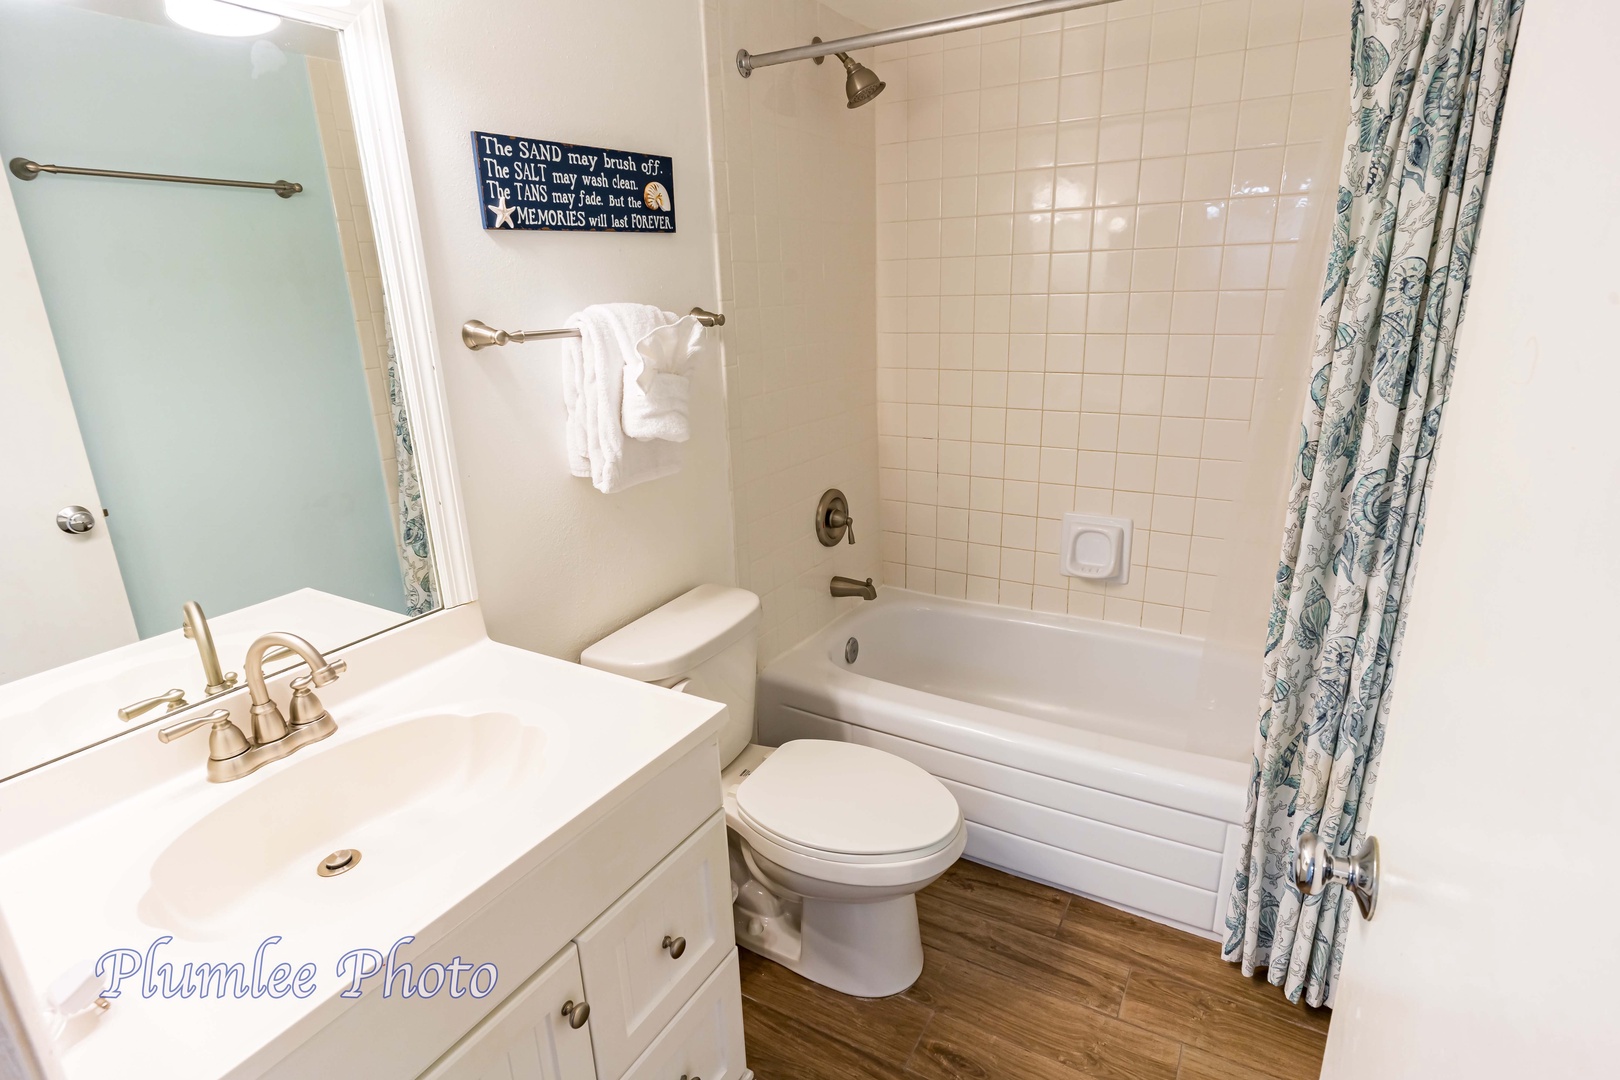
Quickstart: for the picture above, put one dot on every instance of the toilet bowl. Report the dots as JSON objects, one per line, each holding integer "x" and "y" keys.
{"x": 830, "y": 841}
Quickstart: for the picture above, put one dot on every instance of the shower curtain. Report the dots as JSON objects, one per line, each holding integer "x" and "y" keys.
{"x": 1428, "y": 78}
{"x": 415, "y": 556}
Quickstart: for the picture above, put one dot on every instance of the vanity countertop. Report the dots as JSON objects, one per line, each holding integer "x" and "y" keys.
{"x": 458, "y": 766}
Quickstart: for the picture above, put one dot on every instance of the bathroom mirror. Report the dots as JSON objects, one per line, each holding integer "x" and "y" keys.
{"x": 217, "y": 375}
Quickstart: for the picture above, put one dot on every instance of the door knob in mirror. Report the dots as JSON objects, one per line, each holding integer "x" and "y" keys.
{"x": 75, "y": 519}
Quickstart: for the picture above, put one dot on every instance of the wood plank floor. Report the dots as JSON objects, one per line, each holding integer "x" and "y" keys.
{"x": 1027, "y": 982}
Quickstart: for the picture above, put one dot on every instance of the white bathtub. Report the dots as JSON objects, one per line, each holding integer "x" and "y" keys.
{"x": 1075, "y": 747}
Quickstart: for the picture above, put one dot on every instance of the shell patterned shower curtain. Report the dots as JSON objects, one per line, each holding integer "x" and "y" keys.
{"x": 1428, "y": 81}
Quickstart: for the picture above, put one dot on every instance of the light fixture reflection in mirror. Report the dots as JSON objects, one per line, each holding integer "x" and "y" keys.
{"x": 219, "y": 19}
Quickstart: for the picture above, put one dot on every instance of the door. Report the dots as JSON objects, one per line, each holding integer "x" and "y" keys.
{"x": 1497, "y": 809}
{"x": 61, "y": 595}
{"x": 529, "y": 1037}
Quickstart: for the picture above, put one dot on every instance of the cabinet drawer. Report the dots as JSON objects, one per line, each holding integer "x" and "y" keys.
{"x": 633, "y": 981}
{"x": 528, "y": 1037}
{"x": 706, "y": 1037}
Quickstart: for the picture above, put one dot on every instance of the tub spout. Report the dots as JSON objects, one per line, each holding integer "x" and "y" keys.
{"x": 845, "y": 586}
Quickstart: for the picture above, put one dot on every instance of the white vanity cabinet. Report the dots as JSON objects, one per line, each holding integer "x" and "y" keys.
{"x": 658, "y": 971}
{"x": 705, "y": 1040}
{"x": 648, "y": 953}
{"x": 528, "y": 1037}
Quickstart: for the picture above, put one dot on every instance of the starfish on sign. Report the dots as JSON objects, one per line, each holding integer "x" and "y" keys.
{"x": 502, "y": 212}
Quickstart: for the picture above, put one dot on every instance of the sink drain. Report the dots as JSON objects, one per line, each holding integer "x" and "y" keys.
{"x": 340, "y": 861}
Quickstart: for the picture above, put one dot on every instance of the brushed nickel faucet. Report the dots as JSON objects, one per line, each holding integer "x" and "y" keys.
{"x": 848, "y": 586}
{"x": 269, "y": 725}
{"x": 197, "y": 630}
{"x": 233, "y": 755}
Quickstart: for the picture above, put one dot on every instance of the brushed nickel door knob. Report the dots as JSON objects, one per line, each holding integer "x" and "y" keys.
{"x": 75, "y": 519}
{"x": 578, "y": 1013}
{"x": 675, "y": 945}
{"x": 1316, "y": 867}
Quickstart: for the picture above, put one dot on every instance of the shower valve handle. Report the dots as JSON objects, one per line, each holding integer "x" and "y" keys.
{"x": 838, "y": 519}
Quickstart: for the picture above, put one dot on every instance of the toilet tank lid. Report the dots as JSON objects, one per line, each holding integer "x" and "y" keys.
{"x": 674, "y": 639}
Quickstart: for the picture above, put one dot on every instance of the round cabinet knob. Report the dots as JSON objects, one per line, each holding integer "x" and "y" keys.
{"x": 75, "y": 519}
{"x": 675, "y": 945}
{"x": 578, "y": 1013}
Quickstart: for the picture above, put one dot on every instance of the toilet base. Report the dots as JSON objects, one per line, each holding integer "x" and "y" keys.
{"x": 864, "y": 950}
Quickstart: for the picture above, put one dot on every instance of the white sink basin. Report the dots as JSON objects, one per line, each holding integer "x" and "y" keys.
{"x": 405, "y": 796}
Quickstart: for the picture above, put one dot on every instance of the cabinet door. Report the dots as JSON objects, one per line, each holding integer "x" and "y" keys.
{"x": 638, "y": 983}
{"x": 528, "y": 1037}
{"x": 705, "y": 1040}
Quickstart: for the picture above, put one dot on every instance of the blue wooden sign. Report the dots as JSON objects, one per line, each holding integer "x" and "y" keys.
{"x": 539, "y": 184}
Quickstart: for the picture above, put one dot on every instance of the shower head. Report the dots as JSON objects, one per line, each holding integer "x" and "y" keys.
{"x": 861, "y": 83}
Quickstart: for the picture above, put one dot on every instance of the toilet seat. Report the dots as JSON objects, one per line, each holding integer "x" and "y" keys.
{"x": 846, "y": 803}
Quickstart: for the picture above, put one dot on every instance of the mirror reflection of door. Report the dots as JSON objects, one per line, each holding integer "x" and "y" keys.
{"x": 64, "y": 596}
{"x": 203, "y": 367}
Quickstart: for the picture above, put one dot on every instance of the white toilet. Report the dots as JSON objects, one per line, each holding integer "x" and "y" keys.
{"x": 830, "y": 841}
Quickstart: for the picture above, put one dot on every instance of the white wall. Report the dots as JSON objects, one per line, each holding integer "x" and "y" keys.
{"x": 1087, "y": 227}
{"x": 558, "y": 563}
{"x": 797, "y": 206}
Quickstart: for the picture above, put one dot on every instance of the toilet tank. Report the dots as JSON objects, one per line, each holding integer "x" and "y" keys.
{"x": 708, "y": 639}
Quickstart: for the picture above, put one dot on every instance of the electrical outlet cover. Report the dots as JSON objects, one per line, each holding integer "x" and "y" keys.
{"x": 1096, "y": 548}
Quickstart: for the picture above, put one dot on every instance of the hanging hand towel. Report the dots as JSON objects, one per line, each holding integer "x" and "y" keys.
{"x": 656, "y": 383}
{"x": 593, "y": 388}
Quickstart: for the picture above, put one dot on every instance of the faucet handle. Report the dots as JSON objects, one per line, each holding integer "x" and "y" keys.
{"x": 838, "y": 519}
{"x": 328, "y": 674}
{"x": 225, "y": 739}
{"x": 305, "y": 708}
{"x": 174, "y": 699}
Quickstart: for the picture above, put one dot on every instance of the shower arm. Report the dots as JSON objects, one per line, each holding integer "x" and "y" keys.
{"x": 747, "y": 62}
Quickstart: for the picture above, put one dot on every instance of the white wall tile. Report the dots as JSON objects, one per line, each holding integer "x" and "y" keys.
{"x": 1085, "y": 229}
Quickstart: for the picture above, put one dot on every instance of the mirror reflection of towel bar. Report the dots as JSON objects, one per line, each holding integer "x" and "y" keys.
{"x": 23, "y": 169}
{"x": 478, "y": 335}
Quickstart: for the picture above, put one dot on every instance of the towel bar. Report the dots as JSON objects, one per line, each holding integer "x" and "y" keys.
{"x": 477, "y": 335}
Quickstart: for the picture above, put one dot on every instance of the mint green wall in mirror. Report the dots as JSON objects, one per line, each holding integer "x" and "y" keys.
{"x": 207, "y": 334}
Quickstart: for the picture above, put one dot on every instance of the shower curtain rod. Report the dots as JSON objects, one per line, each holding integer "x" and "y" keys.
{"x": 747, "y": 62}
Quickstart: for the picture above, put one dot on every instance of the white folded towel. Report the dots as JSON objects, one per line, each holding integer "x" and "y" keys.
{"x": 656, "y": 383}
{"x": 593, "y": 388}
